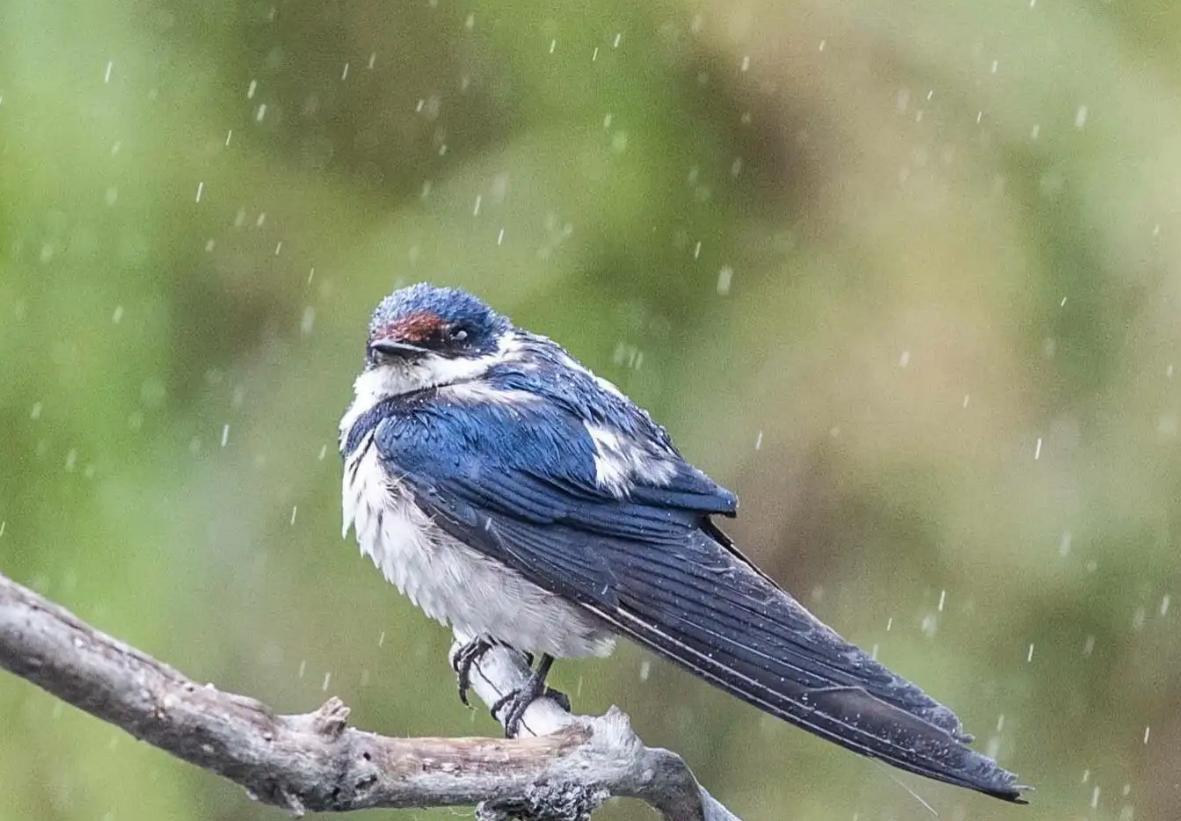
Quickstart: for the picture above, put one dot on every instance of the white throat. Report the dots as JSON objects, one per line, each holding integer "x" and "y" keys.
{"x": 430, "y": 371}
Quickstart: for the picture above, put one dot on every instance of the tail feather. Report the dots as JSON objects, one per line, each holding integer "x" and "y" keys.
{"x": 711, "y": 613}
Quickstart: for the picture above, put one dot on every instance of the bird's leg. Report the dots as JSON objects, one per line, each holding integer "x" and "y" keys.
{"x": 464, "y": 660}
{"x": 518, "y": 701}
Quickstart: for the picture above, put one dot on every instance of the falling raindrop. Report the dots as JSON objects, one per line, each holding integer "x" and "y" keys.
{"x": 1064, "y": 543}
{"x": 724, "y": 277}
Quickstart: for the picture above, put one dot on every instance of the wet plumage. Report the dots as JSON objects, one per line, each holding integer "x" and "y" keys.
{"x": 512, "y": 494}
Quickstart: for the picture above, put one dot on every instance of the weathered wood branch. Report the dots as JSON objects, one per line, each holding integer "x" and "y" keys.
{"x": 655, "y": 775}
{"x": 562, "y": 769}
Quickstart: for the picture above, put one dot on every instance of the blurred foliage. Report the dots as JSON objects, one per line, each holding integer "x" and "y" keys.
{"x": 905, "y": 275}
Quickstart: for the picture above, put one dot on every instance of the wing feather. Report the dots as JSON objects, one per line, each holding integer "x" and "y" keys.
{"x": 651, "y": 564}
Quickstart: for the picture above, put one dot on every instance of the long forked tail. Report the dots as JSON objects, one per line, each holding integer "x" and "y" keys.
{"x": 704, "y": 607}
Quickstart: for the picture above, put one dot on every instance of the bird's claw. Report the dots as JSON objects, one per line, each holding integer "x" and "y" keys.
{"x": 464, "y": 660}
{"x": 516, "y": 702}
{"x": 559, "y": 697}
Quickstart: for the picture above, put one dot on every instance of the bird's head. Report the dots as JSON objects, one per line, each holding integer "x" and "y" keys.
{"x": 423, "y": 336}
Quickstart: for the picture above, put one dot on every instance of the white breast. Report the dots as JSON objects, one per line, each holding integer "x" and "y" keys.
{"x": 472, "y": 593}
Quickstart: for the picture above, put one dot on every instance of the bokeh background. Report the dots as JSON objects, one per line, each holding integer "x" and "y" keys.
{"x": 905, "y": 275}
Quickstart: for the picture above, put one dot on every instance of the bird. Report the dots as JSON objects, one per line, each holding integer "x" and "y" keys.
{"x": 524, "y": 502}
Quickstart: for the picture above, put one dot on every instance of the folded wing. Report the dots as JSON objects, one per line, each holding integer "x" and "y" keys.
{"x": 652, "y": 565}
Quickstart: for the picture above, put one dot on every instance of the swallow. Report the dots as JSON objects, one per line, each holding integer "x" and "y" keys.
{"x": 517, "y": 498}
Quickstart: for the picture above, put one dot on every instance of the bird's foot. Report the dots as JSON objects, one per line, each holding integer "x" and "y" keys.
{"x": 464, "y": 660}
{"x": 516, "y": 702}
{"x": 559, "y": 697}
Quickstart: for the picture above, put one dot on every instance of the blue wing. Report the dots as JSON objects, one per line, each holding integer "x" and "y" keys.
{"x": 519, "y": 482}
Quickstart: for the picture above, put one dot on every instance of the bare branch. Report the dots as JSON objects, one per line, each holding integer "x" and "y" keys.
{"x": 315, "y": 762}
{"x": 655, "y": 775}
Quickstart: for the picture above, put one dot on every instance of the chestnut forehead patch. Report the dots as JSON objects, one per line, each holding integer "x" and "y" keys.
{"x": 416, "y": 327}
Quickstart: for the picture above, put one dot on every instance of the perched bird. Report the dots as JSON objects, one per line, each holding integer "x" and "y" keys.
{"x": 516, "y": 497}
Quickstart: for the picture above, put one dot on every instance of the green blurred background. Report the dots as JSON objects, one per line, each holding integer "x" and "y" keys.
{"x": 905, "y": 275}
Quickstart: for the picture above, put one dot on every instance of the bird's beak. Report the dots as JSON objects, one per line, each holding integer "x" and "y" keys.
{"x": 392, "y": 349}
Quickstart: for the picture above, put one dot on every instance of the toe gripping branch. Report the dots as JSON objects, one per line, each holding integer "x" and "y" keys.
{"x": 516, "y": 701}
{"x": 464, "y": 660}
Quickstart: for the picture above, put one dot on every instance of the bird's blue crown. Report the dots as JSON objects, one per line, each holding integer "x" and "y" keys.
{"x": 427, "y": 309}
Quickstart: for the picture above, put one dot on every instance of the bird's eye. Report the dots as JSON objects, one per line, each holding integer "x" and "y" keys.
{"x": 458, "y": 334}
